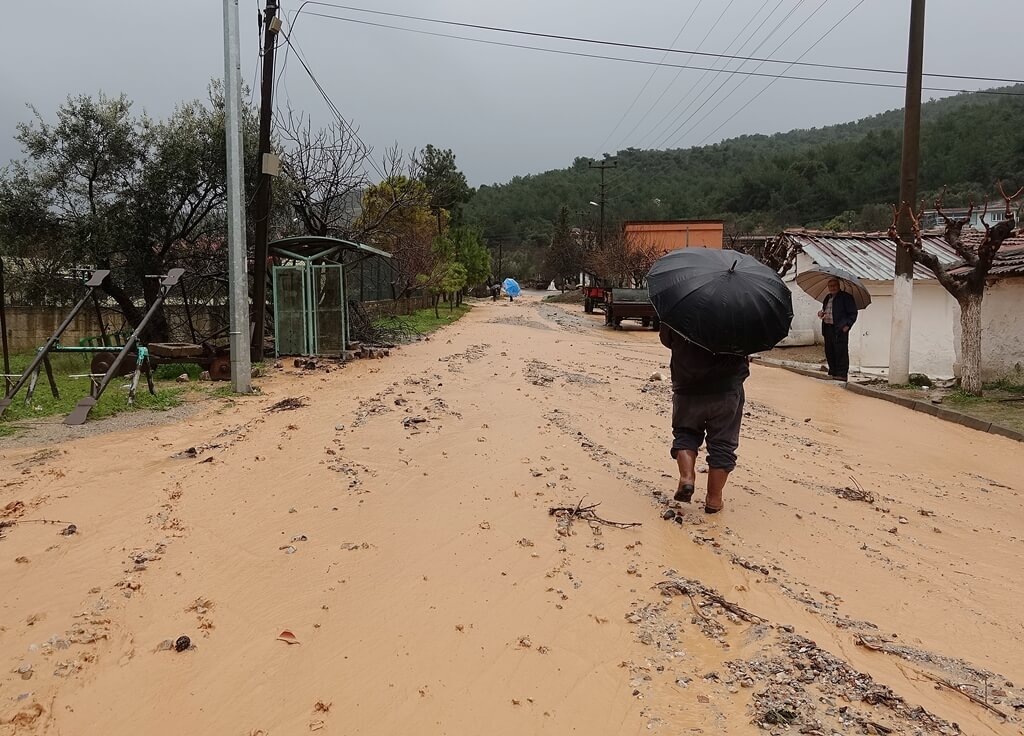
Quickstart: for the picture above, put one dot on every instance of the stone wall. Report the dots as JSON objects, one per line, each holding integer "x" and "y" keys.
{"x": 30, "y": 327}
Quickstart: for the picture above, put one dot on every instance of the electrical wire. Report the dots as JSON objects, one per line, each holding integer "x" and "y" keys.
{"x": 330, "y": 103}
{"x": 658, "y": 126}
{"x": 677, "y": 74}
{"x": 768, "y": 86}
{"x": 654, "y": 71}
{"x": 739, "y": 72}
{"x": 725, "y": 81}
{"x": 620, "y": 44}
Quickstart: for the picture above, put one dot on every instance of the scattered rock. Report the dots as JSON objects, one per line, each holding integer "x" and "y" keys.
{"x": 183, "y": 378}
{"x": 657, "y": 377}
{"x": 68, "y": 530}
{"x": 920, "y": 379}
{"x": 182, "y": 643}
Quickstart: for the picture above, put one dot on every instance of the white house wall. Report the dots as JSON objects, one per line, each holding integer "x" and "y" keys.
{"x": 1002, "y": 336}
{"x": 935, "y": 314}
{"x": 806, "y": 327}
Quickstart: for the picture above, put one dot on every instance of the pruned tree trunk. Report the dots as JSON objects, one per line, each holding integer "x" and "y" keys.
{"x": 970, "y": 343}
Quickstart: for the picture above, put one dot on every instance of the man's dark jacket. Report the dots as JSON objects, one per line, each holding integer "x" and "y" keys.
{"x": 844, "y": 310}
{"x": 696, "y": 371}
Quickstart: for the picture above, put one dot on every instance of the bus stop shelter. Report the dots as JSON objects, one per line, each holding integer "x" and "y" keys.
{"x": 309, "y": 299}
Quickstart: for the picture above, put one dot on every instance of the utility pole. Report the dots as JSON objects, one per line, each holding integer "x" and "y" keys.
{"x": 3, "y": 329}
{"x": 268, "y": 168}
{"x": 903, "y": 280}
{"x": 603, "y": 197}
{"x": 238, "y": 283}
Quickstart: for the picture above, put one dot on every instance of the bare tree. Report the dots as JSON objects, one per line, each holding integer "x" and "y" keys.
{"x": 326, "y": 171}
{"x": 767, "y": 249}
{"x": 966, "y": 280}
{"x": 623, "y": 260}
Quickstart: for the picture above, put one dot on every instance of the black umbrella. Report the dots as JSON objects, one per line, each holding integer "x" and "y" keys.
{"x": 722, "y": 300}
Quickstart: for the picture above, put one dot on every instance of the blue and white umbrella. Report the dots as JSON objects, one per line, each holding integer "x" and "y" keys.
{"x": 511, "y": 287}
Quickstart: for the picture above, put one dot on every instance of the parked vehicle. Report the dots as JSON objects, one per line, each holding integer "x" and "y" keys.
{"x": 635, "y": 304}
{"x": 593, "y": 298}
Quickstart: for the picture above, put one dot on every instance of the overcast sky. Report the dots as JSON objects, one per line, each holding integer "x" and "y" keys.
{"x": 508, "y": 111}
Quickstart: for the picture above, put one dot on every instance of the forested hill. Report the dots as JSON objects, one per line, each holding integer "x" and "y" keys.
{"x": 846, "y": 173}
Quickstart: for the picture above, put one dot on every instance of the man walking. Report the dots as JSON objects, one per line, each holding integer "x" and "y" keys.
{"x": 837, "y": 315}
{"x": 707, "y": 405}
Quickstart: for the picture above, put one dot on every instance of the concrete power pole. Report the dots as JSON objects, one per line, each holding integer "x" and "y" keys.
{"x": 238, "y": 282}
{"x": 603, "y": 198}
{"x": 902, "y": 285}
{"x": 268, "y": 167}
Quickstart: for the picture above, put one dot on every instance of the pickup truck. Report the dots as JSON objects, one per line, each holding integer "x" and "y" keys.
{"x": 622, "y": 304}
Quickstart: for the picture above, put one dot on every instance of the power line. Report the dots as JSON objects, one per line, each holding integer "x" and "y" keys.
{"x": 728, "y": 79}
{"x": 767, "y": 86}
{"x": 740, "y": 72}
{"x": 329, "y": 101}
{"x": 654, "y": 71}
{"x": 677, "y": 75}
{"x": 654, "y": 131}
{"x": 807, "y": 51}
{"x": 644, "y": 47}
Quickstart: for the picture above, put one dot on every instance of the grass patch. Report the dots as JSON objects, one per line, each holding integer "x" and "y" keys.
{"x": 1007, "y": 385}
{"x": 423, "y": 321}
{"x": 958, "y": 396}
{"x": 114, "y": 399}
{"x": 171, "y": 371}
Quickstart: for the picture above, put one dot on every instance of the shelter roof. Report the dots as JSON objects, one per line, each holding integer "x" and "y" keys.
{"x": 312, "y": 247}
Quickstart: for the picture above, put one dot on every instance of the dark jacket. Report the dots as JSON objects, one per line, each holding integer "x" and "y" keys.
{"x": 844, "y": 309}
{"x": 699, "y": 371}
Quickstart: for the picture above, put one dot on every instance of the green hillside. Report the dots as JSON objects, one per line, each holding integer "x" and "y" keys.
{"x": 846, "y": 173}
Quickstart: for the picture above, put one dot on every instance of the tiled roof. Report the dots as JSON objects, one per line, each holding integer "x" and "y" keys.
{"x": 870, "y": 256}
{"x": 1009, "y": 260}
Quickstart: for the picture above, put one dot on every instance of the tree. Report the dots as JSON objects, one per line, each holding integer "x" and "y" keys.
{"x": 396, "y": 215}
{"x": 104, "y": 187}
{"x": 565, "y": 253}
{"x": 623, "y": 261}
{"x": 325, "y": 175}
{"x": 964, "y": 281}
{"x": 445, "y": 183}
{"x": 469, "y": 250}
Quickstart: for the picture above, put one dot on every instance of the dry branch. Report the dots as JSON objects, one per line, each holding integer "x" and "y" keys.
{"x": 974, "y": 698}
{"x": 689, "y": 587}
{"x": 586, "y": 513}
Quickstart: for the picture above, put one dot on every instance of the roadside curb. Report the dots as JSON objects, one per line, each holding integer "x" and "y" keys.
{"x": 925, "y": 407}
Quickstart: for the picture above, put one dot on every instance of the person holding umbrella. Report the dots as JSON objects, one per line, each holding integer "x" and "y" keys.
{"x": 716, "y": 308}
{"x": 838, "y": 314}
{"x": 841, "y": 295}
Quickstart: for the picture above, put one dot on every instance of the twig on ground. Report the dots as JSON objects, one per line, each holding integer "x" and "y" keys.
{"x": 586, "y": 513}
{"x": 857, "y": 493}
{"x": 8, "y": 523}
{"x": 974, "y": 698}
{"x": 696, "y": 609}
{"x": 688, "y": 588}
{"x": 293, "y": 402}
